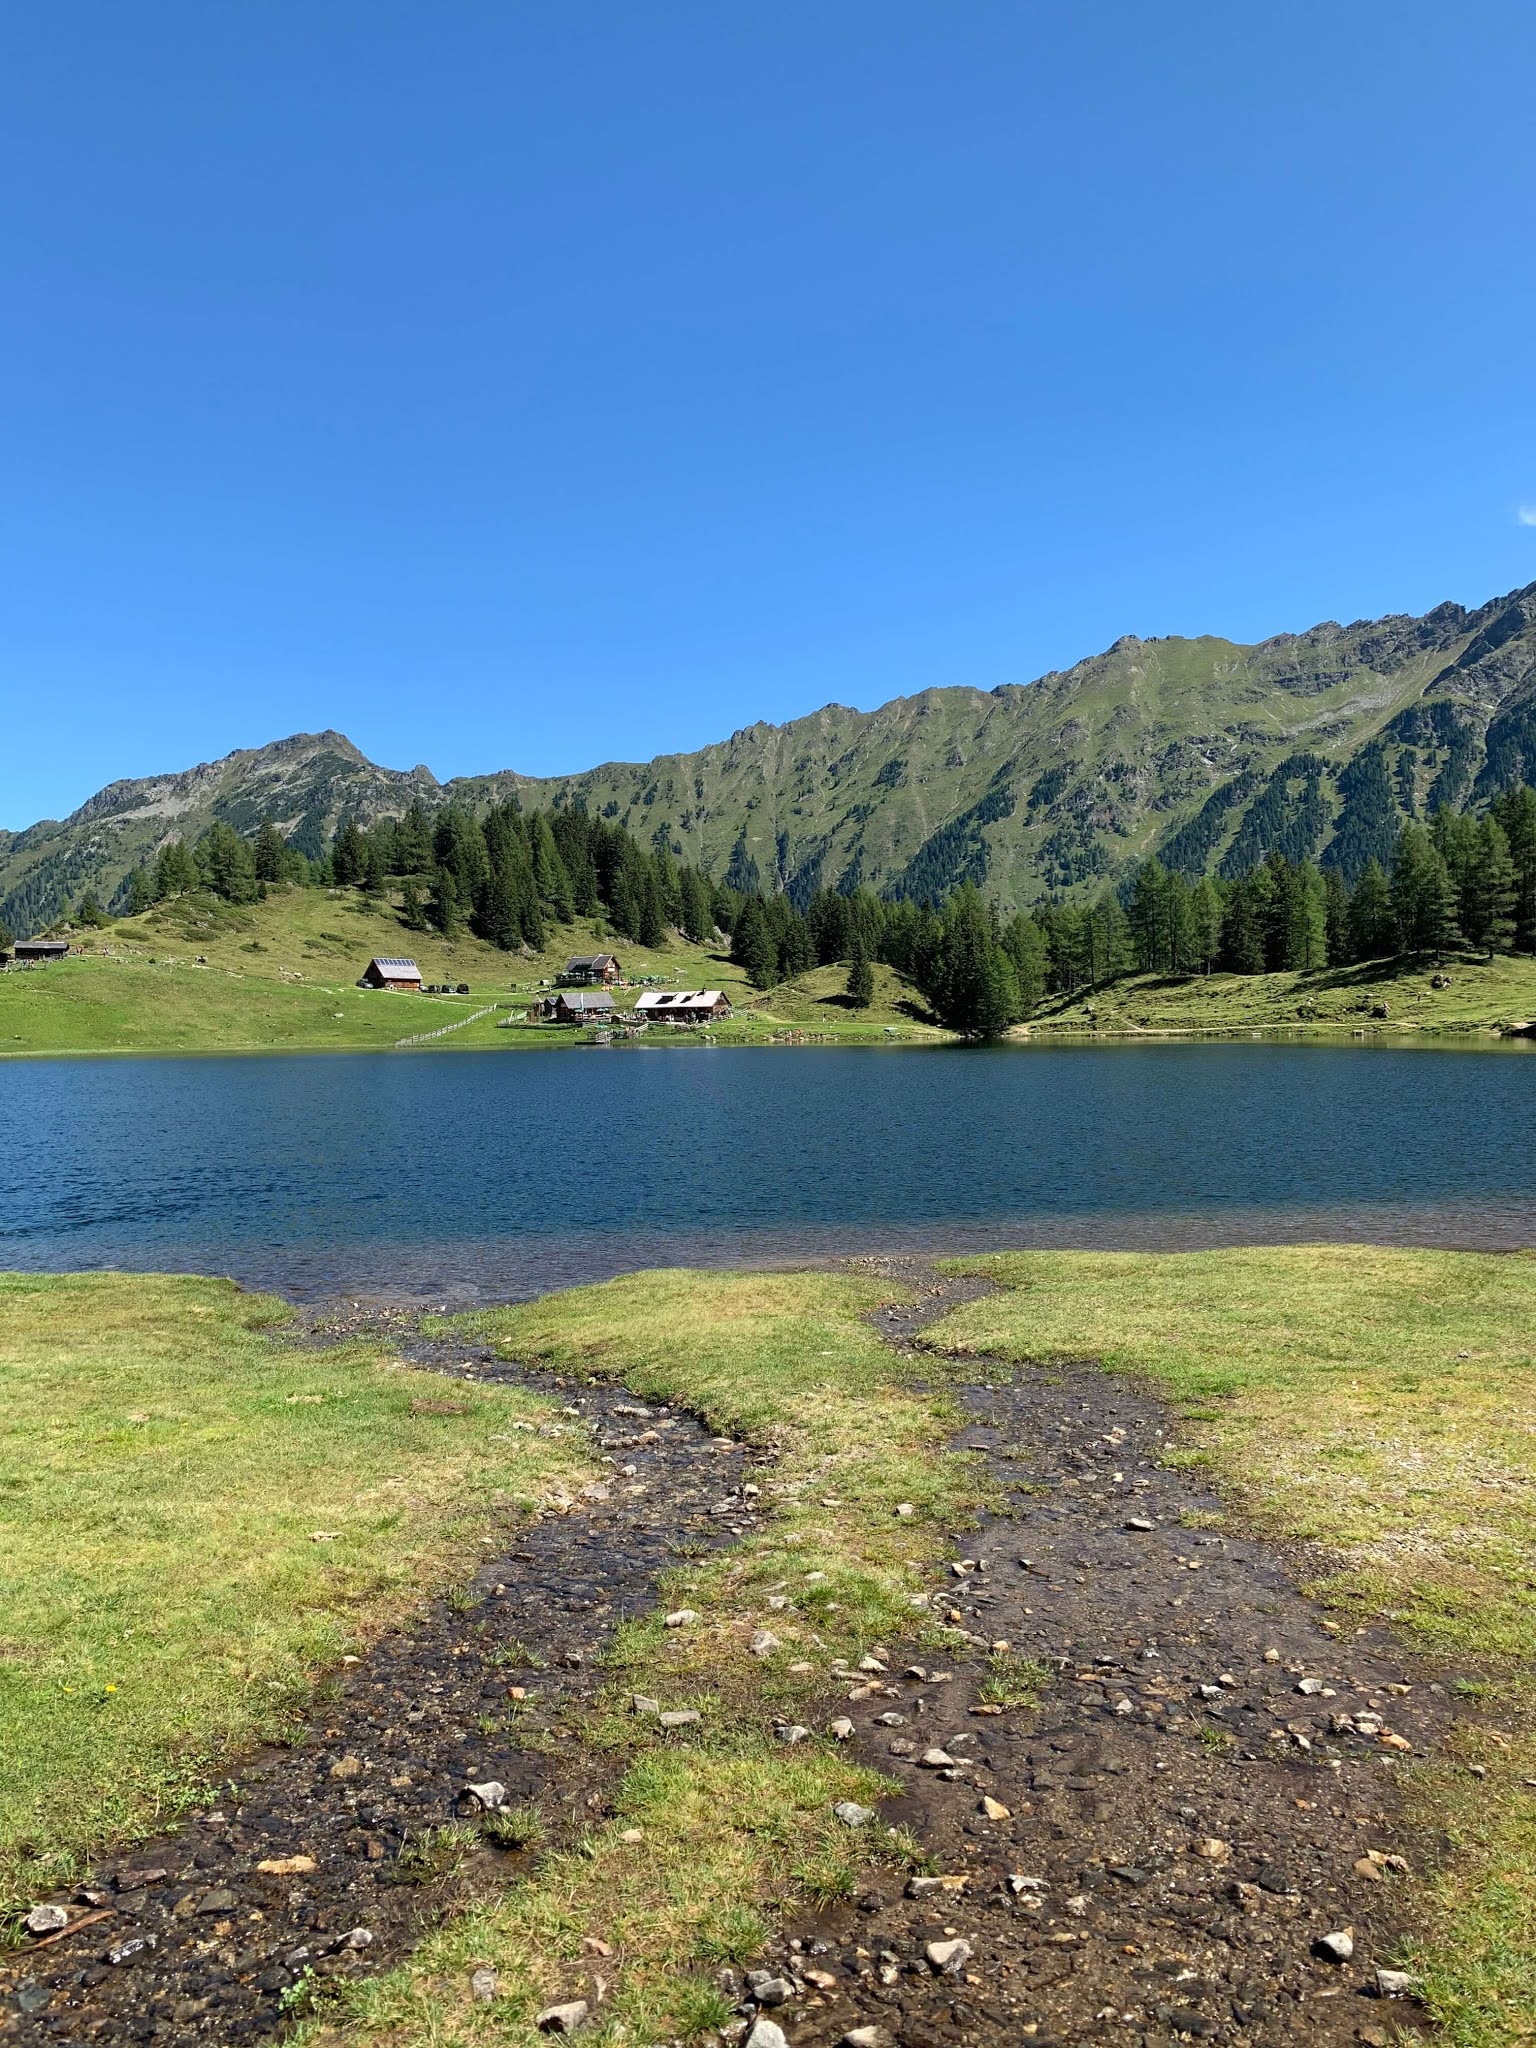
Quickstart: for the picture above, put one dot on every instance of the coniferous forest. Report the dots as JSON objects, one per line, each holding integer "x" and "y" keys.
{"x": 513, "y": 878}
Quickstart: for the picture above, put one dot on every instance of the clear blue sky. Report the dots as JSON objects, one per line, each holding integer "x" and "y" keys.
{"x": 526, "y": 383}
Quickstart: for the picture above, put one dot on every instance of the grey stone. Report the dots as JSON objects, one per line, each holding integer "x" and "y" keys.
{"x": 217, "y": 1902}
{"x": 852, "y": 1815}
{"x": 46, "y": 1920}
{"x": 841, "y": 1728}
{"x": 766, "y": 2034}
{"x": 563, "y": 2019}
{"x": 764, "y": 1643}
{"x": 1395, "y": 1983}
{"x": 936, "y": 1760}
{"x": 680, "y": 1617}
{"x": 684, "y": 1717}
{"x": 644, "y": 1704}
{"x": 949, "y": 1958}
{"x": 767, "y": 1987}
{"x": 482, "y": 1985}
{"x": 1140, "y": 1523}
{"x": 488, "y": 1796}
{"x": 1336, "y": 1947}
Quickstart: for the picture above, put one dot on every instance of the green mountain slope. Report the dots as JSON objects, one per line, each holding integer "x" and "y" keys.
{"x": 1211, "y": 753}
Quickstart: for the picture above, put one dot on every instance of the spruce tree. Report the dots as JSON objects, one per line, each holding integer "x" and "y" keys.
{"x": 1372, "y": 920}
{"x": 753, "y": 946}
{"x": 141, "y": 891}
{"x": 1423, "y": 895}
{"x": 175, "y": 869}
{"x": 1024, "y": 943}
{"x": 443, "y": 906}
{"x": 270, "y": 853}
{"x": 861, "y": 980}
{"x": 1515, "y": 810}
{"x": 349, "y": 855}
{"x": 1488, "y": 900}
{"x": 411, "y": 909}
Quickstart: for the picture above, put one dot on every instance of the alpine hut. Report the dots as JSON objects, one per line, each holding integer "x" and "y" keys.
{"x": 383, "y": 972}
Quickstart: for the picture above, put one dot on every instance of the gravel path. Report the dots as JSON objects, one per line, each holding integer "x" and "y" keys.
{"x": 1209, "y": 1791}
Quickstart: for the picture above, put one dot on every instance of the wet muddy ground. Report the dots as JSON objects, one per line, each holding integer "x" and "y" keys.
{"x": 188, "y": 1939}
{"x": 1157, "y": 1851}
{"x": 1207, "y": 1790}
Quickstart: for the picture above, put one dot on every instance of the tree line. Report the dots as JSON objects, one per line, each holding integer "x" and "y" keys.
{"x": 511, "y": 876}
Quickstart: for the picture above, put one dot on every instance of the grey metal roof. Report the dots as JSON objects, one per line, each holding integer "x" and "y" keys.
{"x": 399, "y": 970}
{"x": 586, "y": 999}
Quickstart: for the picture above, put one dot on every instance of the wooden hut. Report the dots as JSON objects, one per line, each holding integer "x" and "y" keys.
{"x": 384, "y": 972}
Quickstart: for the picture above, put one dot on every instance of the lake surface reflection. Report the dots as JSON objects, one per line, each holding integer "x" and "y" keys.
{"x": 463, "y": 1175}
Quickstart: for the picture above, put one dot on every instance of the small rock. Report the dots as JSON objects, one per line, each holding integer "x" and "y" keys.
{"x": 359, "y": 1937}
{"x": 685, "y": 1717}
{"x": 905, "y": 1509}
{"x": 767, "y": 1987}
{"x": 46, "y": 1920}
{"x": 1394, "y": 1983}
{"x": 482, "y": 1985}
{"x": 766, "y": 2034}
{"x": 841, "y": 1729}
{"x": 1310, "y": 1686}
{"x": 790, "y": 1731}
{"x": 644, "y": 1704}
{"x": 1337, "y": 1947}
{"x": 286, "y": 1866}
{"x": 563, "y": 2019}
{"x": 128, "y": 1951}
{"x": 488, "y": 1796}
{"x": 347, "y": 1767}
{"x": 680, "y": 1617}
{"x": 948, "y": 1958}
{"x": 218, "y": 1901}
{"x": 891, "y": 1720}
{"x": 1213, "y": 1849}
{"x": 1140, "y": 1523}
{"x": 632, "y": 1835}
{"x": 994, "y": 1809}
{"x": 1271, "y": 1656}
{"x": 925, "y": 1887}
{"x": 936, "y": 1760}
{"x": 862, "y": 2037}
{"x": 1018, "y": 1883}
{"x": 852, "y": 1815}
{"x": 764, "y": 1643}
{"x": 1365, "y": 1867}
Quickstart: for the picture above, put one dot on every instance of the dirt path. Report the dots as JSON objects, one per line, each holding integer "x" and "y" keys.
{"x": 1183, "y": 1822}
{"x": 193, "y": 1942}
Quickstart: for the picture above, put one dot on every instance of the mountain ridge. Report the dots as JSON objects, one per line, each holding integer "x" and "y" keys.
{"x": 1318, "y": 743}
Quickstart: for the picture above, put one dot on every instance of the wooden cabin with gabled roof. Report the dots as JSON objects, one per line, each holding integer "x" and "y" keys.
{"x": 384, "y": 971}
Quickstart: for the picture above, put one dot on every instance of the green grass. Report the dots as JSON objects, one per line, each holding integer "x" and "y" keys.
{"x": 165, "y": 1469}
{"x": 1482, "y": 995}
{"x": 200, "y": 975}
{"x": 1380, "y": 1404}
{"x": 732, "y": 1824}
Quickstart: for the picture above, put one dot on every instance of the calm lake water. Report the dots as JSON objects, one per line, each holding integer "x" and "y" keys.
{"x": 500, "y": 1175}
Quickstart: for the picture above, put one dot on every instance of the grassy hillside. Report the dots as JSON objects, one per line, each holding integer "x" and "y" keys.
{"x": 1388, "y": 996}
{"x": 201, "y": 975}
{"x": 1210, "y": 751}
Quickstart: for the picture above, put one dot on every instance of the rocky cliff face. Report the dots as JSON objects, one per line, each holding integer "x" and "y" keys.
{"x": 1210, "y": 753}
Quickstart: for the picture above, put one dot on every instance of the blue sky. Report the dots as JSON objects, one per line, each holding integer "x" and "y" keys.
{"x": 526, "y": 385}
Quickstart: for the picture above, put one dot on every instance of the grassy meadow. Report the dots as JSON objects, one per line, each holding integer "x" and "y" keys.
{"x": 1381, "y": 1405}
{"x": 200, "y": 975}
{"x": 1481, "y": 995}
{"x": 195, "y": 1521}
